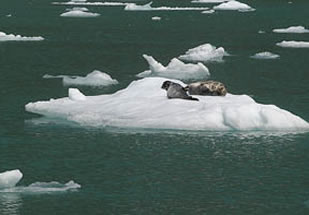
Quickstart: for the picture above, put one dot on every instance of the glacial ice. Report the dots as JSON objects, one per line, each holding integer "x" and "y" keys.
{"x": 204, "y": 53}
{"x": 143, "y": 104}
{"x": 234, "y": 5}
{"x": 79, "y": 12}
{"x": 10, "y": 178}
{"x": 293, "y": 44}
{"x": 148, "y": 7}
{"x": 265, "y": 55}
{"x": 94, "y": 79}
{"x": 292, "y": 29}
{"x": 175, "y": 69}
{"x": 11, "y": 37}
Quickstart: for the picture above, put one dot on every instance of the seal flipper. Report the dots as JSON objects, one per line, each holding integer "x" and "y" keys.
{"x": 192, "y": 98}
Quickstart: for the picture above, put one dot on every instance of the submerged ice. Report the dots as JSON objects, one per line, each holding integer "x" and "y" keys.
{"x": 175, "y": 69}
{"x": 143, "y": 104}
{"x": 94, "y": 79}
{"x": 11, "y": 37}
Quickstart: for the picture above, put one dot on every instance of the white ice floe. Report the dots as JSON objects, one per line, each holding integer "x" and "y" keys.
{"x": 209, "y": 1}
{"x": 175, "y": 69}
{"x": 94, "y": 79}
{"x": 10, "y": 178}
{"x": 204, "y": 53}
{"x": 293, "y": 44}
{"x": 234, "y": 5}
{"x": 261, "y": 32}
{"x": 76, "y": 95}
{"x": 79, "y": 12}
{"x": 156, "y": 18}
{"x": 143, "y": 104}
{"x": 265, "y": 55}
{"x": 148, "y": 7}
{"x": 11, "y": 37}
{"x": 84, "y": 3}
{"x": 208, "y": 11}
{"x": 292, "y": 29}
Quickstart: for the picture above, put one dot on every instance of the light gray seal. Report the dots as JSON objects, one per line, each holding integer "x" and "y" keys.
{"x": 206, "y": 88}
{"x": 176, "y": 91}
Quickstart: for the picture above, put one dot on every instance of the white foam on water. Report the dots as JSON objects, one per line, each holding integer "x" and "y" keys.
{"x": 293, "y": 44}
{"x": 208, "y": 11}
{"x": 11, "y": 37}
{"x": 204, "y": 53}
{"x": 292, "y": 29}
{"x": 234, "y": 5}
{"x": 79, "y": 13}
{"x": 175, "y": 69}
{"x": 94, "y": 79}
{"x": 143, "y": 104}
{"x": 156, "y": 18}
{"x": 10, "y": 178}
{"x": 148, "y": 7}
{"x": 209, "y": 1}
{"x": 84, "y": 3}
{"x": 265, "y": 55}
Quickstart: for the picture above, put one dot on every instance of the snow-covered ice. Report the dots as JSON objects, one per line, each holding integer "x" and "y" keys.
{"x": 293, "y": 44}
{"x": 175, "y": 69}
{"x": 204, "y": 53}
{"x": 79, "y": 12}
{"x": 10, "y": 178}
{"x": 265, "y": 55}
{"x": 292, "y": 29}
{"x": 11, "y": 37}
{"x": 148, "y": 7}
{"x": 94, "y": 79}
{"x": 234, "y": 5}
{"x": 143, "y": 104}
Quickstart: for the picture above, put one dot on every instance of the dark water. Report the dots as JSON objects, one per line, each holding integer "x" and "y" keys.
{"x": 149, "y": 172}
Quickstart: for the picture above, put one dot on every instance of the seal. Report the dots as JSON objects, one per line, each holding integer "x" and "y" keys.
{"x": 206, "y": 88}
{"x": 176, "y": 91}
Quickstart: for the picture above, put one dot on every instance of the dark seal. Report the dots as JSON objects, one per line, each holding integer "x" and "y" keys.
{"x": 206, "y": 88}
{"x": 176, "y": 91}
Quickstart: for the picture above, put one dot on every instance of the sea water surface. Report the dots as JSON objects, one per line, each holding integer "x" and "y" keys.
{"x": 127, "y": 171}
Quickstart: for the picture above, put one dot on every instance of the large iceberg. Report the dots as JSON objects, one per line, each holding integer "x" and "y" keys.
{"x": 11, "y": 37}
{"x": 293, "y": 44}
{"x": 234, "y": 5}
{"x": 148, "y": 7}
{"x": 94, "y": 79}
{"x": 292, "y": 29}
{"x": 175, "y": 69}
{"x": 204, "y": 53}
{"x": 143, "y": 104}
{"x": 10, "y": 178}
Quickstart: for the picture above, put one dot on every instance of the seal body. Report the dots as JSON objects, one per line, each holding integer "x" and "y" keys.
{"x": 176, "y": 91}
{"x": 206, "y": 88}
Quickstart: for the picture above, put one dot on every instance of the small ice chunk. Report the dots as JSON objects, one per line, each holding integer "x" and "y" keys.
{"x": 175, "y": 69}
{"x": 234, "y": 5}
{"x": 148, "y": 7}
{"x": 94, "y": 79}
{"x": 204, "y": 53}
{"x": 265, "y": 55}
{"x": 76, "y": 95}
{"x": 261, "y": 32}
{"x": 156, "y": 18}
{"x": 79, "y": 13}
{"x": 10, "y": 178}
{"x": 208, "y": 11}
{"x": 11, "y": 37}
{"x": 84, "y": 3}
{"x": 209, "y": 1}
{"x": 293, "y": 44}
{"x": 292, "y": 29}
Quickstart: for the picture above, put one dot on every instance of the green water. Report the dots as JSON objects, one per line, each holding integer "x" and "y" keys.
{"x": 163, "y": 172}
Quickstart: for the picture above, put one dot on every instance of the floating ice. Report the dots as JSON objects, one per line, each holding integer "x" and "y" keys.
{"x": 79, "y": 12}
{"x": 143, "y": 104}
{"x": 12, "y": 37}
{"x": 76, "y": 95}
{"x": 10, "y": 178}
{"x": 84, "y": 3}
{"x": 234, "y": 5}
{"x": 147, "y": 7}
{"x": 293, "y": 44}
{"x": 209, "y": 1}
{"x": 261, "y": 32}
{"x": 265, "y": 55}
{"x": 156, "y": 18}
{"x": 95, "y": 79}
{"x": 175, "y": 69}
{"x": 292, "y": 29}
{"x": 208, "y": 11}
{"x": 204, "y": 53}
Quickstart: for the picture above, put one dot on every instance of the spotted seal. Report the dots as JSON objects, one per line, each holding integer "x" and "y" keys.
{"x": 206, "y": 88}
{"x": 175, "y": 90}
